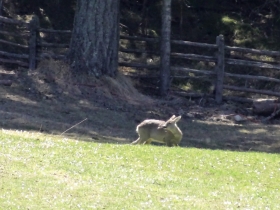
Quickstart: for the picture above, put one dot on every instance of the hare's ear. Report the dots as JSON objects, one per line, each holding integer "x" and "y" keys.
{"x": 176, "y": 119}
{"x": 173, "y": 117}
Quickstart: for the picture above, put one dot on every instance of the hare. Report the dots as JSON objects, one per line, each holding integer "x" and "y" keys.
{"x": 166, "y": 132}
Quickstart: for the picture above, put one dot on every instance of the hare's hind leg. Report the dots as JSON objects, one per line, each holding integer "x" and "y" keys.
{"x": 141, "y": 141}
{"x": 169, "y": 144}
{"x": 136, "y": 141}
{"x": 148, "y": 141}
{"x": 172, "y": 144}
{"x": 144, "y": 137}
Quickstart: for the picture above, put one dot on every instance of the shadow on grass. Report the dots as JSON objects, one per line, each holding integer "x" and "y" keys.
{"x": 236, "y": 137}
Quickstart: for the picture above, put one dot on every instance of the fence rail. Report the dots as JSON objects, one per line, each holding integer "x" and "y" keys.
{"x": 55, "y": 31}
{"x": 194, "y": 44}
{"x": 34, "y": 35}
{"x": 14, "y": 44}
{"x": 220, "y": 60}
{"x": 253, "y": 51}
{"x": 12, "y": 21}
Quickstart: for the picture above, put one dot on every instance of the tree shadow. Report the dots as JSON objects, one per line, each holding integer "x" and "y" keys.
{"x": 234, "y": 137}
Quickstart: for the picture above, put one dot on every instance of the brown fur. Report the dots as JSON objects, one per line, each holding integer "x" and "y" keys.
{"x": 166, "y": 132}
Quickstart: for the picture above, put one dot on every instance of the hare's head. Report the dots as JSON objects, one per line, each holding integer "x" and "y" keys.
{"x": 171, "y": 123}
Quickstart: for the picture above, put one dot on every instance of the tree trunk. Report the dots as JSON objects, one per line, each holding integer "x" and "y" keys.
{"x": 220, "y": 69}
{"x": 95, "y": 38}
{"x": 144, "y": 18}
{"x": 1, "y": 5}
{"x": 165, "y": 47}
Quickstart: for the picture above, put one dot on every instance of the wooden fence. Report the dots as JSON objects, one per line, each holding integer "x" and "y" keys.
{"x": 35, "y": 41}
{"x": 34, "y": 47}
{"x": 220, "y": 61}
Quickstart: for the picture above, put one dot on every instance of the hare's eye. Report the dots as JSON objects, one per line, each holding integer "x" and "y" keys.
{"x": 164, "y": 126}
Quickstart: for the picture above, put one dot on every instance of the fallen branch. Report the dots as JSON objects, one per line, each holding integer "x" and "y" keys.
{"x": 271, "y": 116}
{"x": 265, "y": 107}
{"x": 6, "y": 82}
{"x": 73, "y": 126}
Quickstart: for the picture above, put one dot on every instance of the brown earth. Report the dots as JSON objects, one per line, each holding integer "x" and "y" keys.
{"x": 52, "y": 100}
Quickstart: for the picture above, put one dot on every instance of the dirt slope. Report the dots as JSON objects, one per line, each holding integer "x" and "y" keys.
{"x": 51, "y": 99}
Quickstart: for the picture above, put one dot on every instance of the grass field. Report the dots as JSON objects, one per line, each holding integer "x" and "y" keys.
{"x": 52, "y": 172}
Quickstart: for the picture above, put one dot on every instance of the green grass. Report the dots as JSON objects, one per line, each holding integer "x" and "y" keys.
{"x": 50, "y": 172}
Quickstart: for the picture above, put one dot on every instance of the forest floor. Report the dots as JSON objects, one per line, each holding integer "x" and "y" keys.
{"x": 51, "y": 100}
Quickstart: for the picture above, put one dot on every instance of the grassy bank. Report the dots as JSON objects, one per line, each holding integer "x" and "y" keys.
{"x": 52, "y": 172}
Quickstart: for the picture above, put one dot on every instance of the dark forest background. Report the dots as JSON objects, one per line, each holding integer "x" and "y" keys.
{"x": 253, "y": 24}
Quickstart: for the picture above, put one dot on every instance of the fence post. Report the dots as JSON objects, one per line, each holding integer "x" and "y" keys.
{"x": 33, "y": 27}
{"x": 220, "y": 68}
{"x": 165, "y": 48}
{"x": 1, "y": 7}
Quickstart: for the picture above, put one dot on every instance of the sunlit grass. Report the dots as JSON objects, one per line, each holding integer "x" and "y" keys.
{"x": 228, "y": 20}
{"x": 51, "y": 172}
